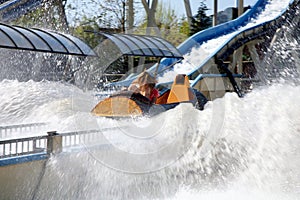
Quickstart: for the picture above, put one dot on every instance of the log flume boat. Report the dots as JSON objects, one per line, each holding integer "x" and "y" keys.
{"x": 128, "y": 103}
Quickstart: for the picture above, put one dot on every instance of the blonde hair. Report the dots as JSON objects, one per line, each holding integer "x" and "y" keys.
{"x": 146, "y": 78}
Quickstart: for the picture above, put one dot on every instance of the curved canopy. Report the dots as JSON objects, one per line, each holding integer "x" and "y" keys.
{"x": 32, "y": 39}
{"x": 142, "y": 45}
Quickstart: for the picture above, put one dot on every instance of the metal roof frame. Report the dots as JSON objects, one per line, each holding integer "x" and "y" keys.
{"x": 143, "y": 45}
{"x": 33, "y": 39}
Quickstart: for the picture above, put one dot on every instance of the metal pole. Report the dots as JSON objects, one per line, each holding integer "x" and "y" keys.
{"x": 240, "y": 5}
{"x": 215, "y": 17}
{"x": 156, "y": 69}
{"x": 54, "y": 142}
{"x": 188, "y": 11}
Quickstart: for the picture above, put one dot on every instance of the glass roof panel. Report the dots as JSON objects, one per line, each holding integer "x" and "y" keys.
{"x": 143, "y": 45}
{"x": 53, "y": 42}
{"x": 135, "y": 50}
{"x": 122, "y": 46}
{"x": 83, "y": 46}
{"x": 146, "y": 50}
{"x": 37, "y": 41}
{"x": 5, "y": 41}
{"x": 69, "y": 44}
{"x": 18, "y": 38}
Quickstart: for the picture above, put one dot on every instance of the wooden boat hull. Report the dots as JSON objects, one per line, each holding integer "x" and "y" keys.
{"x": 128, "y": 104}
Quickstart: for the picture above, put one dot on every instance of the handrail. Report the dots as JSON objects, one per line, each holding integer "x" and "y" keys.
{"x": 50, "y": 143}
{"x": 6, "y": 131}
{"x": 23, "y": 146}
{"x": 30, "y": 125}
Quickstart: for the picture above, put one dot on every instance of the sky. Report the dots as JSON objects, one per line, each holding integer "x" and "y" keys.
{"x": 222, "y": 5}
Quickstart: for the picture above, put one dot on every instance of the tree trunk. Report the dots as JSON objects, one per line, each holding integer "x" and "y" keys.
{"x": 130, "y": 22}
{"x": 60, "y": 5}
{"x": 188, "y": 11}
{"x": 151, "y": 24}
{"x": 130, "y": 16}
{"x": 123, "y": 21}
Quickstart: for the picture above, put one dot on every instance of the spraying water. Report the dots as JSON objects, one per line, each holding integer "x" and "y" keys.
{"x": 233, "y": 147}
{"x": 241, "y": 148}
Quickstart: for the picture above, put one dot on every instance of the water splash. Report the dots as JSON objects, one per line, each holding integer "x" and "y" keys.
{"x": 237, "y": 148}
{"x": 255, "y": 147}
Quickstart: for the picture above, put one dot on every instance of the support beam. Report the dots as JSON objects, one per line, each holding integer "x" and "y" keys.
{"x": 188, "y": 11}
{"x": 230, "y": 77}
{"x": 215, "y": 17}
{"x": 237, "y": 61}
{"x": 255, "y": 58}
{"x": 54, "y": 143}
{"x": 240, "y": 5}
{"x": 130, "y": 21}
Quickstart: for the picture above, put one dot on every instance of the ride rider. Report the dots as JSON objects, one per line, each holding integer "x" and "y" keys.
{"x": 145, "y": 84}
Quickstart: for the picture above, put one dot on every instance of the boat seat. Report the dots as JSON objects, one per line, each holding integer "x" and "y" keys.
{"x": 181, "y": 90}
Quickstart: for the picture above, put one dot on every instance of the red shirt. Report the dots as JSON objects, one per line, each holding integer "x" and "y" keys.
{"x": 154, "y": 94}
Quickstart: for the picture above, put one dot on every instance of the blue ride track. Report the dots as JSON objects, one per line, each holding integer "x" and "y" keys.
{"x": 203, "y": 36}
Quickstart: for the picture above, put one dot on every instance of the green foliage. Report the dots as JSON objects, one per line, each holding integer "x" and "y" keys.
{"x": 86, "y": 31}
{"x": 172, "y": 28}
{"x": 31, "y": 19}
{"x": 184, "y": 27}
{"x": 49, "y": 15}
{"x": 165, "y": 17}
{"x": 200, "y": 21}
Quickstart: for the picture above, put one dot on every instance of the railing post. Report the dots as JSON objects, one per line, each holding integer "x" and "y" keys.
{"x": 54, "y": 142}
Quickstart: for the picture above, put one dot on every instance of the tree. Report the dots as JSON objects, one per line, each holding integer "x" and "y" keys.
{"x": 184, "y": 27}
{"x": 200, "y": 21}
{"x": 115, "y": 11}
{"x": 150, "y": 11}
{"x": 165, "y": 17}
{"x": 109, "y": 14}
{"x": 130, "y": 15}
{"x": 170, "y": 27}
{"x": 50, "y": 15}
{"x": 86, "y": 31}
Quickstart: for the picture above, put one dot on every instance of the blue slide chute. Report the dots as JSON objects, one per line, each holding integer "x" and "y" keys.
{"x": 203, "y": 36}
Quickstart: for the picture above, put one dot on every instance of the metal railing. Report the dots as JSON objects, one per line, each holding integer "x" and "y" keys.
{"x": 86, "y": 138}
{"x": 53, "y": 142}
{"x": 7, "y": 131}
{"x": 23, "y": 146}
